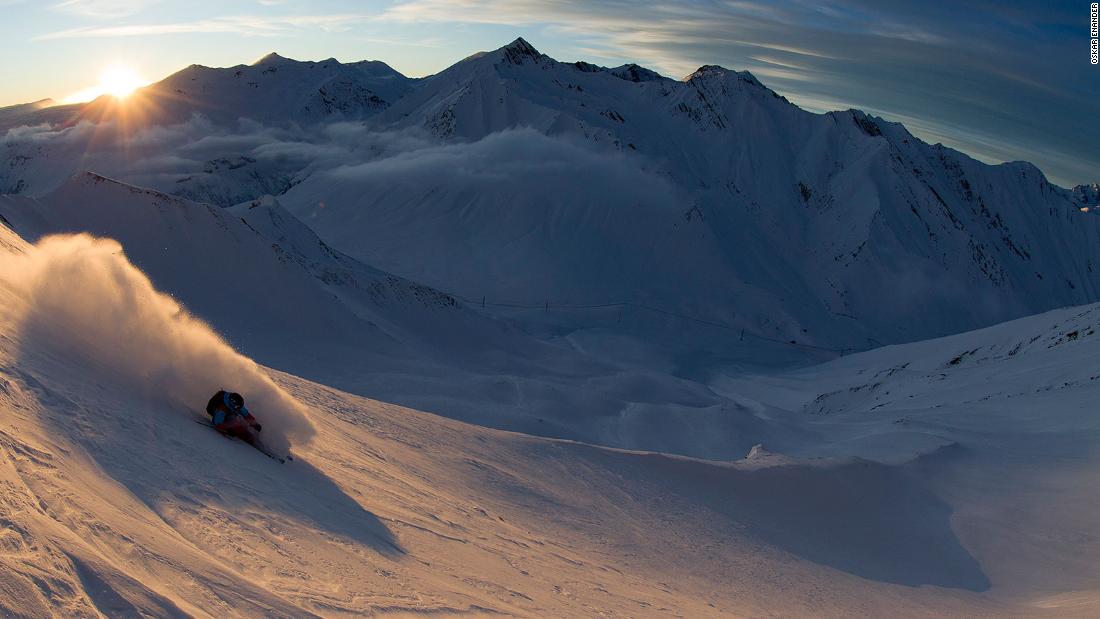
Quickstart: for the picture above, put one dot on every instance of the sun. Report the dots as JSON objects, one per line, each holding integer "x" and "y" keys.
{"x": 116, "y": 80}
{"x": 119, "y": 81}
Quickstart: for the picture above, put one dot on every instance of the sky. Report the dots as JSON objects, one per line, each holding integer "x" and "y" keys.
{"x": 1001, "y": 80}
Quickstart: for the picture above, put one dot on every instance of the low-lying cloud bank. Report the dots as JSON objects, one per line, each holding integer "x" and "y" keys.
{"x": 196, "y": 159}
{"x": 226, "y": 165}
{"x": 82, "y": 298}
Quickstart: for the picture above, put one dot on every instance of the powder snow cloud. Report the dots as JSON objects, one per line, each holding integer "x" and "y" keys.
{"x": 80, "y": 297}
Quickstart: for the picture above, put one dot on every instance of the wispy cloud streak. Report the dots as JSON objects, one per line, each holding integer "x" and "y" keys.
{"x": 104, "y": 9}
{"x": 245, "y": 25}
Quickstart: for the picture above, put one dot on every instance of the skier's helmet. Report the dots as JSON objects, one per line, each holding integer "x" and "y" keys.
{"x": 236, "y": 402}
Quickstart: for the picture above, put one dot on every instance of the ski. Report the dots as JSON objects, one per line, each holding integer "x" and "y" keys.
{"x": 258, "y": 448}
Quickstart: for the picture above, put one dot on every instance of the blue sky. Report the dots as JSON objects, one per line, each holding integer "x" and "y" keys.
{"x": 1000, "y": 80}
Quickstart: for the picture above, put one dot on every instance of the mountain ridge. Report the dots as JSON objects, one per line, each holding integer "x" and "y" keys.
{"x": 728, "y": 202}
{"x": 754, "y": 173}
{"x": 517, "y": 49}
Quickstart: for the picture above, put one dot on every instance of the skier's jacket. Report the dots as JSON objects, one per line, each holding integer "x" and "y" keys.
{"x": 220, "y": 410}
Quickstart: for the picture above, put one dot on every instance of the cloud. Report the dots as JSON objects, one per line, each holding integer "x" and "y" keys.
{"x": 105, "y": 9}
{"x": 576, "y": 235}
{"x": 46, "y": 133}
{"x": 243, "y": 25}
{"x": 515, "y": 156}
{"x": 80, "y": 297}
{"x": 181, "y": 158}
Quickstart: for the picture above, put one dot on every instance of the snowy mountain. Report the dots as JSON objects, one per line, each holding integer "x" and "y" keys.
{"x": 23, "y": 112}
{"x": 710, "y": 196}
{"x": 100, "y": 135}
{"x": 639, "y": 290}
{"x": 273, "y": 90}
{"x": 526, "y": 181}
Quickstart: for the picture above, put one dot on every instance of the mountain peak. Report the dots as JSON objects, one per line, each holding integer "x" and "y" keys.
{"x": 270, "y": 59}
{"x": 708, "y": 71}
{"x": 518, "y": 50}
{"x": 521, "y": 45}
{"x": 634, "y": 73}
{"x": 713, "y": 71}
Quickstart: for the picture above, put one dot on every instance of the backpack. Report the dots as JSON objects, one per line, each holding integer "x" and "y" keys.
{"x": 215, "y": 402}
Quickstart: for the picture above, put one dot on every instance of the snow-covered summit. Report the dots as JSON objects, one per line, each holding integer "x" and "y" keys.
{"x": 272, "y": 59}
{"x": 715, "y": 72}
{"x": 520, "y": 51}
{"x": 634, "y": 73}
{"x": 274, "y": 89}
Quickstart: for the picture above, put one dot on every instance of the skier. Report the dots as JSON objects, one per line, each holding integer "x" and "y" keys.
{"x": 230, "y": 417}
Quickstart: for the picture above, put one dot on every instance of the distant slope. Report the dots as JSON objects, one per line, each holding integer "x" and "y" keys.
{"x": 1038, "y": 371}
{"x": 284, "y": 297}
{"x": 223, "y": 269}
{"x": 263, "y": 279}
{"x": 1013, "y": 404}
{"x": 22, "y": 112}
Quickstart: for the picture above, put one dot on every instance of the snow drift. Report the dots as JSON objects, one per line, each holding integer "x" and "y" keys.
{"x": 82, "y": 298}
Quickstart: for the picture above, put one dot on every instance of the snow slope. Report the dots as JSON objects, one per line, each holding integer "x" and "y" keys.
{"x": 265, "y": 282}
{"x": 187, "y": 246}
{"x": 23, "y": 112}
{"x": 115, "y": 503}
{"x": 1016, "y": 406}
